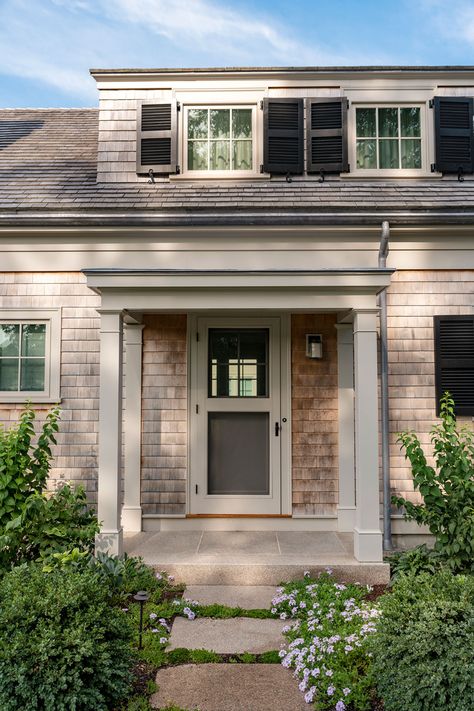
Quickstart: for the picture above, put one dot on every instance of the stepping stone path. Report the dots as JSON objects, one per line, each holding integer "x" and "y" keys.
{"x": 234, "y": 686}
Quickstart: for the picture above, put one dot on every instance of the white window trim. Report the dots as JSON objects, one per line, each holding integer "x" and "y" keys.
{"x": 52, "y": 317}
{"x": 220, "y": 174}
{"x": 425, "y": 169}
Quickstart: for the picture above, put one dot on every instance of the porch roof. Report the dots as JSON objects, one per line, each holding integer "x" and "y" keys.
{"x": 48, "y": 169}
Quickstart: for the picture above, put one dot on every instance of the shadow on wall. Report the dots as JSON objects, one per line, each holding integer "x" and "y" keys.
{"x": 12, "y": 131}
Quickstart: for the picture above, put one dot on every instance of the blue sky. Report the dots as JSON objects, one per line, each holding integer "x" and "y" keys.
{"x": 48, "y": 46}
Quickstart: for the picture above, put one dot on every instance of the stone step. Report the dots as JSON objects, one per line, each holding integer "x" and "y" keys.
{"x": 248, "y": 597}
{"x": 228, "y": 687}
{"x": 234, "y": 636}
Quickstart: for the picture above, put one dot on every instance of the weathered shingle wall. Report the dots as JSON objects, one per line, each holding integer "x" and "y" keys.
{"x": 164, "y": 448}
{"x": 414, "y": 297}
{"x": 76, "y": 454}
{"x": 314, "y": 417}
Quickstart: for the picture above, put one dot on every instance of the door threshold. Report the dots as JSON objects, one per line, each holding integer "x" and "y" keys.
{"x": 238, "y": 516}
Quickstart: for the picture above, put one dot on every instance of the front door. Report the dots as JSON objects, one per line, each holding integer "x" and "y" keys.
{"x": 235, "y": 409}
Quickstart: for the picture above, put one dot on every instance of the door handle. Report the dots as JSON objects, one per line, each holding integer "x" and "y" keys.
{"x": 277, "y": 429}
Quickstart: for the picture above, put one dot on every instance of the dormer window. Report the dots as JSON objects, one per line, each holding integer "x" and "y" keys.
{"x": 388, "y": 138}
{"x": 220, "y": 139}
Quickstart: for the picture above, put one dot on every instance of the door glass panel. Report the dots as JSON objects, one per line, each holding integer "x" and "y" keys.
{"x": 238, "y": 453}
{"x": 238, "y": 363}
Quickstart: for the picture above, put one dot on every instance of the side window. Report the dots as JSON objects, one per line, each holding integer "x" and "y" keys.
{"x": 29, "y": 356}
{"x": 220, "y": 139}
{"x": 454, "y": 361}
{"x": 388, "y": 138}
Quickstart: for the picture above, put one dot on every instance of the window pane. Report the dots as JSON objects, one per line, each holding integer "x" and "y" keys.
{"x": 197, "y": 123}
{"x": 9, "y": 339}
{"x": 9, "y": 374}
{"x": 242, "y": 123}
{"x": 33, "y": 338}
{"x": 197, "y": 155}
{"x": 242, "y": 155}
{"x": 411, "y": 153}
{"x": 220, "y": 155}
{"x": 388, "y": 122}
{"x": 220, "y": 123}
{"x": 32, "y": 374}
{"x": 388, "y": 154}
{"x": 365, "y": 120}
{"x": 366, "y": 154}
{"x": 410, "y": 122}
{"x": 238, "y": 363}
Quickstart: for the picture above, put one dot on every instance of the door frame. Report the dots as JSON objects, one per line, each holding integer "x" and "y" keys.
{"x": 285, "y": 401}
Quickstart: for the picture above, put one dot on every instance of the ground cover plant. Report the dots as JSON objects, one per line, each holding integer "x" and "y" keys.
{"x": 447, "y": 488}
{"x": 423, "y": 650}
{"x": 327, "y": 634}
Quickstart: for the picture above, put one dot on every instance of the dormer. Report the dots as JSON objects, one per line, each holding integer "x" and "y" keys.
{"x": 274, "y": 123}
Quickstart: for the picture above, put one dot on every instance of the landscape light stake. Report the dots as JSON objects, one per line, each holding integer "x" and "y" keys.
{"x": 142, "y": 597}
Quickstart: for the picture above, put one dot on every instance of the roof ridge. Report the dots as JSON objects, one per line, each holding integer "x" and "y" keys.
{"x": 49, "y": 108}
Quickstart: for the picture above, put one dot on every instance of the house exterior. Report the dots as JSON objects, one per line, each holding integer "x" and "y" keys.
{"x": 196, "y": 272}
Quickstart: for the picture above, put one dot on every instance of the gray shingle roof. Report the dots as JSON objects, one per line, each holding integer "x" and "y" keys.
{"x": 48, "y": 174}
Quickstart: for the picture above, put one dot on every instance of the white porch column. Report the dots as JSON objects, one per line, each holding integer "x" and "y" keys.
{"x": 110, "y": 432}
{"x": 132, "y": 511}
{"x": 345, "y": 376}
{"x": 367, "y": 534}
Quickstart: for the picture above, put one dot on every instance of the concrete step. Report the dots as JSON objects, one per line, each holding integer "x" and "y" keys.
{"x": 248, "y": 597}
{"x": 235, "y": 636}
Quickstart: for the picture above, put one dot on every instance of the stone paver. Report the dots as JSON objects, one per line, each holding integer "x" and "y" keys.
{"x": 229, "y": 687}
{"x": 241, "y": 634}
{"x": 248, "y": 597}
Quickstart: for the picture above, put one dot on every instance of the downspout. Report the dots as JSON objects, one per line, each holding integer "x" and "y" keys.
{"x": 387, "y": 522}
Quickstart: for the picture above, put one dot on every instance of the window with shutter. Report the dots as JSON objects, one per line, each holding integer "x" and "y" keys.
{"x": 326, "y": 130}
{"x": 454, "y": 134}
{"x": 283, "y": 150}
{"x": 454, "y": 361}
{"x": 157, "y": 137}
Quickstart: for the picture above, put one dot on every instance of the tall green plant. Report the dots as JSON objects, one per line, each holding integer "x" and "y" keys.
{"x": 24, "y": 465}
{"x": 447, "y": 488}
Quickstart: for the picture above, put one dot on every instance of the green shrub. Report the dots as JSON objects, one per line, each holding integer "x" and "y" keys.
{"x": 24, "y": 466}
{"x": 62, "y": 645}
{"x": 422, "y": 650}
{"x": 447, "y": 489}
{"x": 415, "y": 561}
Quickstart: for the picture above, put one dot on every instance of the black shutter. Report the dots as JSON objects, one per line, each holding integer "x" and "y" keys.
{"x": 283, "y": 150}
{"x": 157, "y": 137}
{"x": 454, "y": 361}
{"x": 454, "y": 134}
{"x": 326, "y": 131}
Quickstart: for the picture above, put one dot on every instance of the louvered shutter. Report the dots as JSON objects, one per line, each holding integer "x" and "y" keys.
{"x": 326, "y": 131}
{"x": 157, "y": 137}
{"x": 454, "y": 134}
{"x": 454, "y": 360}
{"x": 283, "y": 150}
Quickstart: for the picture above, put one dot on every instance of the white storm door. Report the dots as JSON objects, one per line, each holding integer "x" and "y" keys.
{"x": 235, "y": 405}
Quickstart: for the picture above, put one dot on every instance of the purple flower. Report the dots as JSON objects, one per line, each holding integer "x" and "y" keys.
{"x": 329, "y": 672}
{"x": 159, "y": 576}
{"x": 346, "y": 691}
{"x": 306, "y": 574}
{"x": 330, "y": 690}
{"x": 171, "y": 578}
{"x": 124, "y": 609}
{"x": 153, "y": 615}
{"x": 154, "y": 630}
{"x": 163, "y": 640}
{"x": 309, "y": 696}
{"x": 340, "y": 706}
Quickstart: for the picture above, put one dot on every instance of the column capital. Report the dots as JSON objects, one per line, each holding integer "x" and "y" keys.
{"x": 365, "y": 321}
{"x": 134, "y": 334}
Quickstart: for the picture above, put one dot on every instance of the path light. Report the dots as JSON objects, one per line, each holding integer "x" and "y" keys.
{"x": 142, "y": 597}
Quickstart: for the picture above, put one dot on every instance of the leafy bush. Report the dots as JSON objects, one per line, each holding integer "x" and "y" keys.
{"x": 24, "y": 467}
{"x": 62, "y": 645}
{"x": 415, "y": 561}
{"x": 47, "y": 526}
{"x": 328, "y": 641}
{"x": 422, "y": 651}
{"x": 447, "y": 490}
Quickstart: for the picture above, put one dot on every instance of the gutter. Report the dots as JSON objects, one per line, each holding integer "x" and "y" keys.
{"x": 385, "y": 412}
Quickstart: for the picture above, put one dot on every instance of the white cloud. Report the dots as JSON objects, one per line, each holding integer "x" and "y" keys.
{"x": 452, "y": 19}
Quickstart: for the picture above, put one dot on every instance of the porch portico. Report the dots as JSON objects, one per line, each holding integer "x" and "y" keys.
{"x": 349, "y": 294}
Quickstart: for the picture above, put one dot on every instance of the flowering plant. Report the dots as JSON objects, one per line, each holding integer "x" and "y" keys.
{"x": 328, "y": 626}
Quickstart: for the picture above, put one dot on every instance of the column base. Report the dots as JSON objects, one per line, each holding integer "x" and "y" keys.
{"x": 345, "y": 518}
{"x": 368, "y": 546}
{"x": 110, "y": 542}
{"x": 132, "y": 518}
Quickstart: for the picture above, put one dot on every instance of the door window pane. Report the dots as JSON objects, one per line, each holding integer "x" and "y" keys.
{"x": 238, "y": 453}
{"x": 238, "y": 363}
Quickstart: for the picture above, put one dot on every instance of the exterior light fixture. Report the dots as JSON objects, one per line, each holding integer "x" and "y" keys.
{"x": 142, "y": 597}
{"x": 314, "y": 345}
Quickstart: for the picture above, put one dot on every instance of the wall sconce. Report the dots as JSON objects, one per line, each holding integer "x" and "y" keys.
{"x": 314, "y": 345}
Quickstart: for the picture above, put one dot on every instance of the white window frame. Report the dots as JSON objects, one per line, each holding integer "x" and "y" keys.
{"x": 388, "y": 172}
{"x": 210, "y": 174}
{"x": 52, "y": 319}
